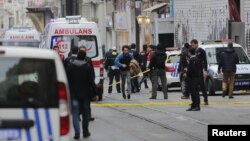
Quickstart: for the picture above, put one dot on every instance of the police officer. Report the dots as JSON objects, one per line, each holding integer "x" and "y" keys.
{"x": 113, "y": 71}
{"x": 201, "y": 55}
{"x": 193, "y": 78}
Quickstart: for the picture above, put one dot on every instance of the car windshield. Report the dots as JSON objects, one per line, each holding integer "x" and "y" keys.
{"x": 213, "y": 55}
{"x": 175, "y": 58}
{"x": 27, "y": 82}
{"x": 66, "y": 42}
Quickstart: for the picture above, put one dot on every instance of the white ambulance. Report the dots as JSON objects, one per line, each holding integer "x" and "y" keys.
{"x": 75, "y": 31}
{"x": 22, "y": 36}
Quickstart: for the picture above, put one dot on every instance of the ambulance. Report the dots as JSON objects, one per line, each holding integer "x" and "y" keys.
{"x": 75, "y": 31}
{"x": 22, "y": 36}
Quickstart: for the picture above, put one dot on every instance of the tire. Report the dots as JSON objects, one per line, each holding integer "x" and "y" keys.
{"x": 210, "y": 87}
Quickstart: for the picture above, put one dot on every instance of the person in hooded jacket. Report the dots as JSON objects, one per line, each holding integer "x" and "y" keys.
{"x": 82, "y": 90}
{"x": 182, "y": 68}
{"x": 227, "y": 63}
{"x": 157, "y": 66}
{"x": 72, "y": 57}
{"x": 134, "y": 82}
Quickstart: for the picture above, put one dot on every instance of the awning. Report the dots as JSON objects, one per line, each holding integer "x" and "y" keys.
{"x": 155, "y": 7}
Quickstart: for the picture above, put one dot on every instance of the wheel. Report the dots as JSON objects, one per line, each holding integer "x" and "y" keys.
{"x": 210, "y": 87}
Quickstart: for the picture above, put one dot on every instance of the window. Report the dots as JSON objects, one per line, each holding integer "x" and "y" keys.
{"x": 27, "y": 82}
{"x": 213, "y": 55}
{"x": 173, "y": 59}
{"x": 65, "y": 42}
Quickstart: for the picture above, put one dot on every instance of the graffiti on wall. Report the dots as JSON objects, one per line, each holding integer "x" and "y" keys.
{"x": 201, "y": 21}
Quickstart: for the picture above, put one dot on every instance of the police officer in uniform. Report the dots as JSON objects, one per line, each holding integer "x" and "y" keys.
{"x": 201, "y": 55}
{"x": 113, "y": 71}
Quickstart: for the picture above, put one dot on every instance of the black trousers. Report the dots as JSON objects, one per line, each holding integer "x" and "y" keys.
{"x": 193, "y": 82}
{"x": 85, "y": 112}
{"x": 111, "y": 74}
{"x": 203, "y": 88}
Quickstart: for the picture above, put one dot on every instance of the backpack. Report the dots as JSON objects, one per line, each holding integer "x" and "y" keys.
{"x": 160, "y": 60}
{"x": 134, "y": 67}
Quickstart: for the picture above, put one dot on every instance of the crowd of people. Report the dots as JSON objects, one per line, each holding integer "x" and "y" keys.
{"x": 127, "y": 65}
{"x": 130, "y": 63}
{"x": 192, "y": 67}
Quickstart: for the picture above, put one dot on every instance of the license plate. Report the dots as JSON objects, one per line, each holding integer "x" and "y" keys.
{"x": 242, "y": 83}
{"x": 10, "y": 134}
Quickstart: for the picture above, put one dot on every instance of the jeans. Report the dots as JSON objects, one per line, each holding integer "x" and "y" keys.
{"x": 76, "y": 116}
{"x": 135, "y": 84}
{"x": 85, "y": 112}
{"x": 231, "y": 78}
{"x": 126, "y": 75}
{"x": 159, "y": 73}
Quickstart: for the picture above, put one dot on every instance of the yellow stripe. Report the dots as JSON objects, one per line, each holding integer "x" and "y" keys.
{"x": 163, "y": 104}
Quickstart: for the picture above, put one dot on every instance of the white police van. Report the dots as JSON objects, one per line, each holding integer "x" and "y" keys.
{"x": 22, "y": 36}
{"x": 76, "y": 31}
{"x": 34, "y": 96}
{"x": 214, "y": 80}
{"x": 172, "y": 64}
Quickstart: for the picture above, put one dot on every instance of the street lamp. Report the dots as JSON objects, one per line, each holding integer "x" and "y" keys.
{"x": 143, "y": 20}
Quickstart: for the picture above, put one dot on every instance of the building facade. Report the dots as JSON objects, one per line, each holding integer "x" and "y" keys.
{"x": 212, "y": 20}
{"x": 28, "y": 13}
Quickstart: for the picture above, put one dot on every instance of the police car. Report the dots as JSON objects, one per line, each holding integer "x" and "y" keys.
{"x": 22, "y": 36}
{"x": 76, "y": 31}
{"x": 34, "y": 96}
{"x": 172, "y": 64}
{"x": 214, "y": 80}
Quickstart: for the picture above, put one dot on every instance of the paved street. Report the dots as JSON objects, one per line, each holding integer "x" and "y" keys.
{"x": 141, "y": 119}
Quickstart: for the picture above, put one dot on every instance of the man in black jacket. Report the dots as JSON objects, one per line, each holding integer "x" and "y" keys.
{"x": 82, "y": 89}
{"x": 89, "y": 61}
{"x": 157, "y": 65}
{"x": 201, "y": 55}
{"x": 193, "y": 78}
{"x": 71, "y": 58}
{"x": 113, "y": 70}
{"x": 228, "y": 61}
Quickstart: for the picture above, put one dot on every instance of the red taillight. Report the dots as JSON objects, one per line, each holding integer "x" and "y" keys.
{"x": 101, "y": 68}
{"x": 64, "y": 122}
{"x": 170, "y": 69}
{"x": 63, "y": 109}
